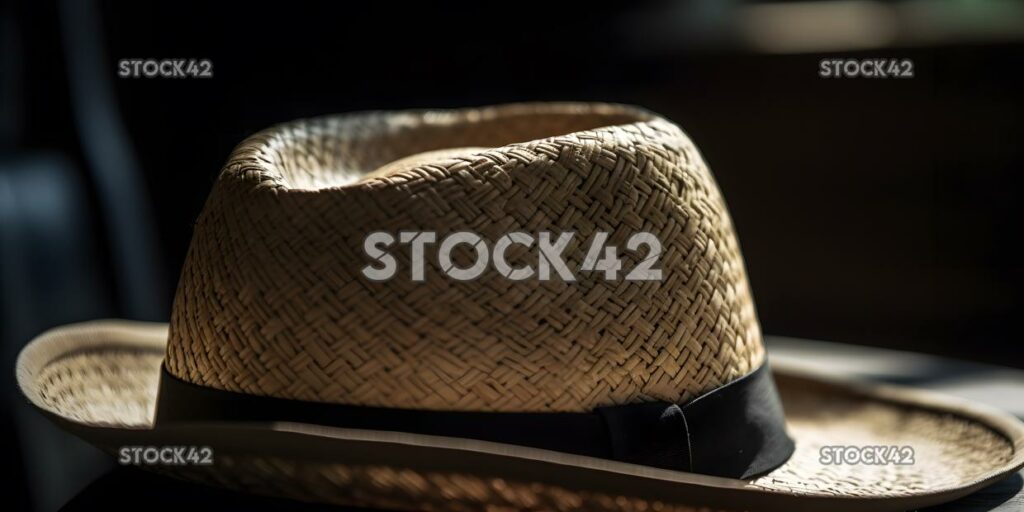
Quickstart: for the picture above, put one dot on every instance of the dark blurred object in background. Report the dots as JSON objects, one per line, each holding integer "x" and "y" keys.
{"x": 872, "y": 211}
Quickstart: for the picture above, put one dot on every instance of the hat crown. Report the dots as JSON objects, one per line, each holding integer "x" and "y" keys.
{"x": 273, "y": 301}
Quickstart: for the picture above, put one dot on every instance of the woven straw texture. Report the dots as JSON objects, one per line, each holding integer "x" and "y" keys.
{"x": 949, "y": 450}
{"x": 391, "y": 488}
{"x": 271, "y": 300}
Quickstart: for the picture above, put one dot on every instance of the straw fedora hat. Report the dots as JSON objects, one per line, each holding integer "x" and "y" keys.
{"x": 300, "y": 373}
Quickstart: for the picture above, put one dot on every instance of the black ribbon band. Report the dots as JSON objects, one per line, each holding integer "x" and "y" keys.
{"x": 736, "y": 431}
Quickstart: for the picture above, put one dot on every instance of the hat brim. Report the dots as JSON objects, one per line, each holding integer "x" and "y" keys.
{"x": 99, "y": 381}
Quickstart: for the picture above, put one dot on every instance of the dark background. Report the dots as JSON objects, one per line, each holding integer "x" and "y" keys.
{"x": 881, "y": 212}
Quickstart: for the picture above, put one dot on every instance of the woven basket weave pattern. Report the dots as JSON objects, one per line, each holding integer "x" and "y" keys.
{"x": 271, "y": 300}
{"x": 111, "y": 385}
